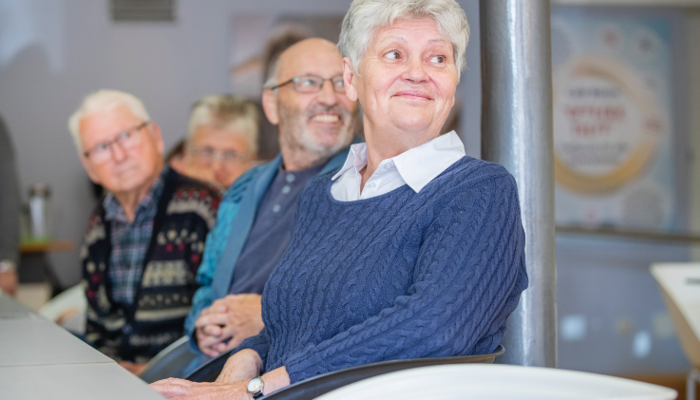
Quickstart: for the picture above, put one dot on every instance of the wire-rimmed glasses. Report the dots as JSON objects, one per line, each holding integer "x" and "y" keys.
{"x": 206, "y": 155}
{"x": 102, "y": 152}
{"x": 313, "y": 83}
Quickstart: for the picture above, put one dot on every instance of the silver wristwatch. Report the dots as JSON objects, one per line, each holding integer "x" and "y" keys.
{"x": 255, "y": 388}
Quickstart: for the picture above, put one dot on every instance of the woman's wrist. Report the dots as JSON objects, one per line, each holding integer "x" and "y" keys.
{"x": 275, "y": 380}
{"x": 242, "y": 366}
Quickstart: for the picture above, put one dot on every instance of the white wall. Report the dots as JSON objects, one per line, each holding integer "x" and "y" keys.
{"x": 53, "y": 52}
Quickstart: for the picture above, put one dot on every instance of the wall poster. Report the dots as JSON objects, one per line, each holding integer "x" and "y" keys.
{"x": 613, "y": 130}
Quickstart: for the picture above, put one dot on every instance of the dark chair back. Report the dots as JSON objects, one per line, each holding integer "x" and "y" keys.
{"x": 321, "y": 384}
{"x": 171, "y": 362}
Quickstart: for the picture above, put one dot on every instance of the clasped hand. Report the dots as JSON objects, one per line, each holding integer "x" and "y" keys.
{"x": 235, "y": 317}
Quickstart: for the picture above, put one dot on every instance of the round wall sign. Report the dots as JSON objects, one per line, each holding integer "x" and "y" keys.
{"x": 606, "y": 125}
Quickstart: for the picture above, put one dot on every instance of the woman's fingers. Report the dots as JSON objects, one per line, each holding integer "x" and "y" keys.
{"x": 171, "y": 387}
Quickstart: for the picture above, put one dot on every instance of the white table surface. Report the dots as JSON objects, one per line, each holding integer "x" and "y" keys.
{"x": 34, "y": 340}
{"x": 106, "y": 381}
{"x": 40, "y": 360}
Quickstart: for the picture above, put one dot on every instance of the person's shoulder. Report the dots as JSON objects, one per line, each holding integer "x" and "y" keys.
{"x": 247, "y": 180}
{"x": 471, "y": 171}
{"x": 469, "y": 174}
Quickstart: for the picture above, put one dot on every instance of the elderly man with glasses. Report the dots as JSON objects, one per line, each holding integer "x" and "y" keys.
{"x": 145, "y": 239}
{"x": 305, "y": 97}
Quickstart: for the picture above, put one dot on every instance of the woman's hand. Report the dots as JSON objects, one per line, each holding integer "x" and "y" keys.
{"x": 230, "y": 385}
{"x": 180, "y": 389}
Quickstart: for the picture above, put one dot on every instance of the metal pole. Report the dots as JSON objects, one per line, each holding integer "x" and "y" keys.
{"x": 516, "y": 132}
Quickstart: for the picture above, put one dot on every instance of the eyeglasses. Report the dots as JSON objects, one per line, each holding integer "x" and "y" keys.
{"x": 206, "y": 155}
{"x": 313, "y": 83}
{"x": 101, "y": 152}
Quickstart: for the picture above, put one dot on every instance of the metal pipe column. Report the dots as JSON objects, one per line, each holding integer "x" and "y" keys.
{"x": 516, "y": 132}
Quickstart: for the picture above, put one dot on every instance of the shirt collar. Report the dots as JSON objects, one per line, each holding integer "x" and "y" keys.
{"x": 417, "y": 166}
{"x": 357, "y": 158}
{"x": 149, "y": 203}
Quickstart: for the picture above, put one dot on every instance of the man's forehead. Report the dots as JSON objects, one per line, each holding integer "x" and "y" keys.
{"x": 313, "y": 58}
{"x": 115, "y": 114}
{"x": 107, "y": 122}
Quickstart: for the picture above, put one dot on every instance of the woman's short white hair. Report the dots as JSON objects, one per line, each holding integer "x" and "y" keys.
{"x": 227, "y": 111}
{"x": 101, "y": 101}
{"x": 365, "y": 17}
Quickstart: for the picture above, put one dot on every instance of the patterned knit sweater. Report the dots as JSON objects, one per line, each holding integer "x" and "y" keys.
{"x": 137, "y": 332}
{"x": 401, "y": 275}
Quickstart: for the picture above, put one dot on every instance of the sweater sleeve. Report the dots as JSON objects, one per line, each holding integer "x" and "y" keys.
{"x": 468, "y": 278}
{"x": 259, "y": 343}
{"x": 213, "y": 248}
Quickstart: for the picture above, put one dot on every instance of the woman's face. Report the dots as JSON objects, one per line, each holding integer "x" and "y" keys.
{"x": 407, "y": 80}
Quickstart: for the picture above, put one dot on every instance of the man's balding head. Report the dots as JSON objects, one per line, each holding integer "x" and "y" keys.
{"x": 321, "y": 122}
{"x": 296, "y": 56}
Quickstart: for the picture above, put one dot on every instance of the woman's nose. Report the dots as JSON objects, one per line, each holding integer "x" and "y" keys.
{"x": 415, "y": 71}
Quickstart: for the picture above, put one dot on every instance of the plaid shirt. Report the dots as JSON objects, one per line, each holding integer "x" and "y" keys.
{"x": 130, "y": 240}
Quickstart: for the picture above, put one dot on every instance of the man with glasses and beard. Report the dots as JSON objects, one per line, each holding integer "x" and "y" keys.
{"x": 305, "y": 97}
{"x": 145, "y": 239}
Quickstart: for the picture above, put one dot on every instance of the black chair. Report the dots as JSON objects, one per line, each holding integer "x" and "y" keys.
{"x": 321, "y": 384}
{"x": 171, "y": 362}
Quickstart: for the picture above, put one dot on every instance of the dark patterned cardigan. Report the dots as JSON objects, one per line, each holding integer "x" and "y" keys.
{"x": 137, "y": 332}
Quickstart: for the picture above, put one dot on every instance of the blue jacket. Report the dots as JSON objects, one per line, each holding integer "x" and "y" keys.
{"x": 225, "y": 243}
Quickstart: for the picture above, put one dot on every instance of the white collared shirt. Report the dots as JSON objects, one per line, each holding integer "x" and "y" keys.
{"x": 415, "y": 167}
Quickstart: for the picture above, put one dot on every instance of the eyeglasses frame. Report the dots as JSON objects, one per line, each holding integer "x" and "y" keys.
{"x": 319, "y": 88}
{"x": 116, "y": 139}
{"x": 217, "y": 154}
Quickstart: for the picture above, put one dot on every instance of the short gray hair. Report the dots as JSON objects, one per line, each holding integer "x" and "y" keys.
{"x": 365, "y": 17}
{"x": 101, "y": 101}
{"x": 227, "y": 111}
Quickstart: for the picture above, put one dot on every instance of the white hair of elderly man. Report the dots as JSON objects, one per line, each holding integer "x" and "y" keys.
{"x": 101, "y": 101}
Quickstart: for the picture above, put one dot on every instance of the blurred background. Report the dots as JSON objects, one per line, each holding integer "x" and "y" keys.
{"x": 626, "y": 80}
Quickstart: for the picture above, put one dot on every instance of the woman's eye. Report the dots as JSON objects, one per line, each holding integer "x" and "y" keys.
{"x": 438, "y": 59}
{"x": 393, "y": 55}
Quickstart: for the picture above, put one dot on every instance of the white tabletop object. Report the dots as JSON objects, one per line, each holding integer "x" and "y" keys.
{"x": 497, "y": 382}
{"x": 40, "y": 360}
{"x": 680, "y": 284}
{"x": 71, "y": 306}
{"x": 106, "y": 381}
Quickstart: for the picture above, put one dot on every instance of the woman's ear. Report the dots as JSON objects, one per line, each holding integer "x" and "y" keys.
{"x": 349, "y": 78}
{"x": 269, "y": 104}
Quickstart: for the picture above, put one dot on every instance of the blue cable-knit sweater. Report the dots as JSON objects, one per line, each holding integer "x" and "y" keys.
{"x": 401, "y": 275}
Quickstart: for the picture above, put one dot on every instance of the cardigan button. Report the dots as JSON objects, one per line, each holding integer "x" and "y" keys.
{"x": 127, "y": 329}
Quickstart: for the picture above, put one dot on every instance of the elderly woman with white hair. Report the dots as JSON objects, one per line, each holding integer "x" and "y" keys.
{"x": 413, "y": 249}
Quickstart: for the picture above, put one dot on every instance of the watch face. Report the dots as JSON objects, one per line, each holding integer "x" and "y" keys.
{"x": 255, "y": 385}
